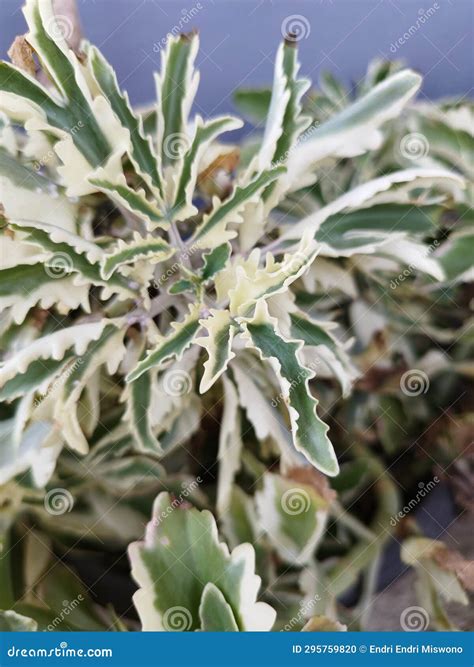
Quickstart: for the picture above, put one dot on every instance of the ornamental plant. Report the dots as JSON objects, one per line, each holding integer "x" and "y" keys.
{"x": 198, "y": 335}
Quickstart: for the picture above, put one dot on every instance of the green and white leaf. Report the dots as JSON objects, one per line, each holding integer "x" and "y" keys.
{"x": 10, "y": 621}
{"x": 420, "y": 552}
{"x": 132, "y": 200}
{"x": 27, "y": 196}
{"x": 36, "y": 450}
{"x": 138, "y": 397}
{"x": 355, "y": 129}
{"x": 230, "y": 446}
{"x": 215, "y": 261}
{"x": 171, "y": 346}
{"x": 108, "y": 350}
{"x": 182, "y": 545}
{"x": 253, "y": 282}
{"x": 150, "y": 248}
{"x": 141, "y": 149}
{"x": 456, "y": 255}
{"x": 213, "y": 230}
{"x": 51, "y": 347}
{"x": 85, "y": 125}
{"x": 220, "y": 330}
{"x": 24, "y": 286}
{"x": 366, "y": 194}
{"x": 260, "y": 406}
{"x": 332, "y": 352}
{"x": 293, "y": 515}
{"x": 60, "y": 236}
{"x": 309, "y": 432}
{"x": 66, "y": 257}
{"x": 215, "y": 613}
{"x": 204, "y": 134}
{"x": 285, "y": 121}
{"x": 176, "y": 87}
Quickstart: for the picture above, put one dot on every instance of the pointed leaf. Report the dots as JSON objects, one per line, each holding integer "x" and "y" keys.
{"x": 142, "y": 152}
{"x": 204, "y": 134}
{"x": 355, "y": 129}
{"x": 230, "y": 446}
{"x": 138, "y": 395}
{"x": 218, "y": 343}
{"x": 133, "y": 200}
{"x": 309, "y": 432}
{"x": 215, "y": 261}
{"x": 212, "y": 231}
{"x": 215, "y": 613}
{"x": 150, "y": 248}
{"x": 172, "y": 345}
{"x": 176, "y": 87}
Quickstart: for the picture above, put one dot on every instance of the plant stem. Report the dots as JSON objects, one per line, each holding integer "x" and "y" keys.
{"x": 178, "y": 242}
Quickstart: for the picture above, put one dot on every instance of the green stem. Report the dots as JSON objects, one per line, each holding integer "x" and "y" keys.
{"x": 347, "y": 571}
{"x": 340, "y": 514}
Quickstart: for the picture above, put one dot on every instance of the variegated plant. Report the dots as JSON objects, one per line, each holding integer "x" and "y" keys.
{"x": 165, "y": 312}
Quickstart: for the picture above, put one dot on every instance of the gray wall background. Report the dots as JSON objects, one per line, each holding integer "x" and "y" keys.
{"x": 239, "y": 39}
